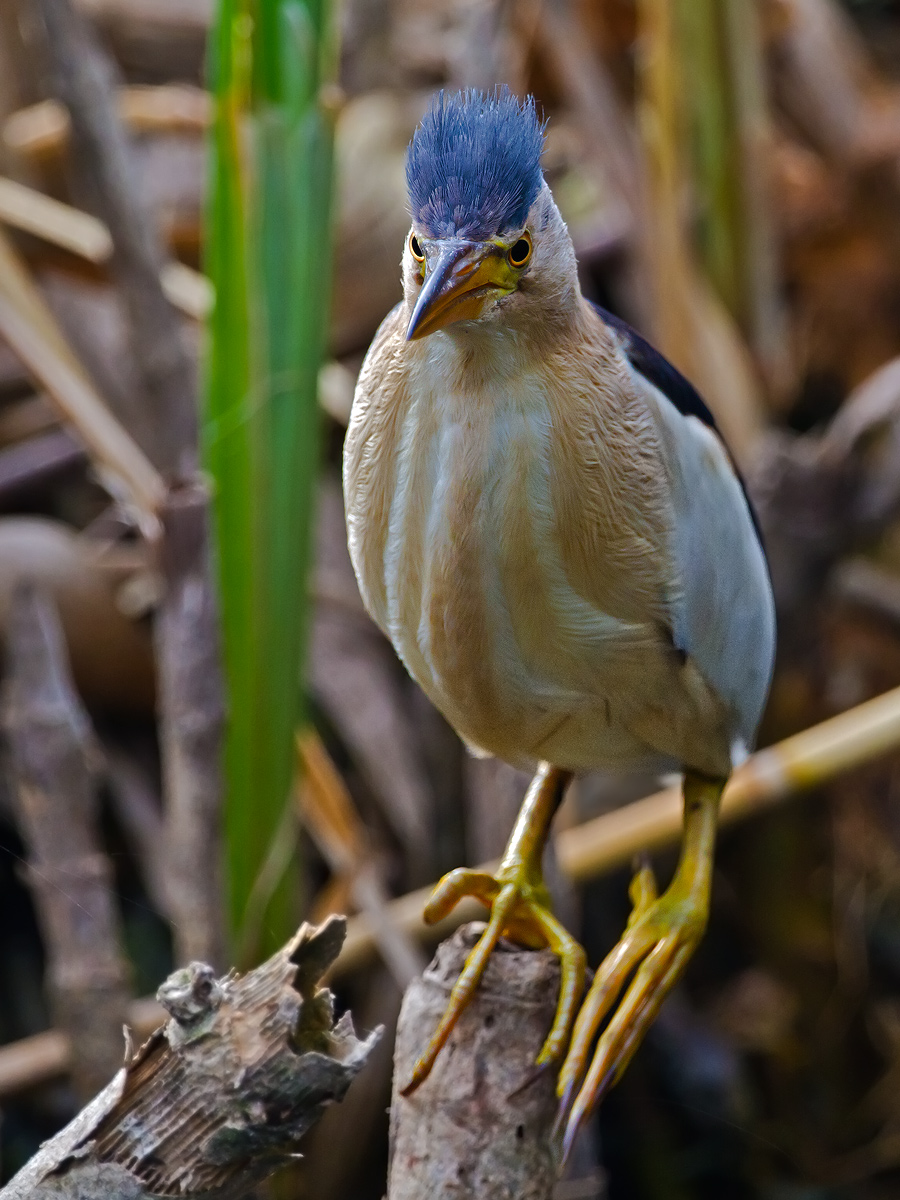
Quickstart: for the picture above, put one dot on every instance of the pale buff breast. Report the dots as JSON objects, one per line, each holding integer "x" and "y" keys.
{"x": 507, "y": 532}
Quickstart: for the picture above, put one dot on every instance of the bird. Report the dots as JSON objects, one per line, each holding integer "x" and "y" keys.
{"x": 546, "y": 523}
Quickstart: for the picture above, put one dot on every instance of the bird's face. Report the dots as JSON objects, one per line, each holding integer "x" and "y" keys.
{"x": 519, "y": 278}
{"x": 457, "y": 279}
{"x": 487, "y": 247}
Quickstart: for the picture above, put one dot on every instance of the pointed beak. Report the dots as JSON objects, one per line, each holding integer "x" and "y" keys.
{"x": 461, "y": 277}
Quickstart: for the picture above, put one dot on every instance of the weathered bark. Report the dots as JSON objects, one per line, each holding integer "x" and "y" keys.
{"x": 217, "y": 1099}
{"x": 54, "y": 756}
{"x": 480, "y": 1127}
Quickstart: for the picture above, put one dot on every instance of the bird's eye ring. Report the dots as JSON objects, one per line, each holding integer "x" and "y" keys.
{"x": 520, "y": 252}
{"x": 415, "y": 248}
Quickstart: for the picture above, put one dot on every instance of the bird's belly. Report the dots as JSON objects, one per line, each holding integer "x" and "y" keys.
{"x": 478, "y": 605}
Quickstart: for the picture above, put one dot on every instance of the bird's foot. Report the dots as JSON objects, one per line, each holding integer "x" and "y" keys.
{"x": 520, "y": 909}
{"x": 660, "y": 937}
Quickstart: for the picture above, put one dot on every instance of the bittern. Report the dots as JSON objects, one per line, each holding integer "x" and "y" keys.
{"x": 545, "y": 522}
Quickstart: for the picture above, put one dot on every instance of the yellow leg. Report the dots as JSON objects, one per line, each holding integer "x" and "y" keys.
{"x": 661, "y": 935}
{"x": 520, "y": 908}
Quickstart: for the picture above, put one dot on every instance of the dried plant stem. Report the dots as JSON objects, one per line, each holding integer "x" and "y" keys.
{"x": 52, "y": 748}
{"x": 328, "y": 811}
{"x": 62, "y": 225}
{"x": 42, "y": 129}
{"x": 43, "y": 1057}
{"x": 586, "y": 851}
{"x": 29, "y": 327}
{"x": 192, "y": 710}
{"x": 83, "y": 77}
{"x": 191, "y": 685}
{"x": 691, "y": 324}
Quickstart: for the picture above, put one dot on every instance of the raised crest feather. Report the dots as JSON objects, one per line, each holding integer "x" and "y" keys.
{"x": 474, "y": 164}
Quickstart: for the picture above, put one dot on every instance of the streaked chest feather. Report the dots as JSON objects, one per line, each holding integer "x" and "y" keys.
{"x": 475, "y": 566}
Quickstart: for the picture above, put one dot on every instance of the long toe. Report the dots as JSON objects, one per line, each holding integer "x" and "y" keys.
{"x": 518, "y": 911}
{"x": 652, "y": 955}
{"x": 465, "y": 986}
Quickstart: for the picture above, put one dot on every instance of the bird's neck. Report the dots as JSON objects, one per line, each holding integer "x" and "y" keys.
{"x": 475, "y": 354}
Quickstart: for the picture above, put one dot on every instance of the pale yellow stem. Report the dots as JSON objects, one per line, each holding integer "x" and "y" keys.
{"x": 586, "y": 851}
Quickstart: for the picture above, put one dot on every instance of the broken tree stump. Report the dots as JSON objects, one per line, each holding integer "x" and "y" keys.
{"x": 218, "y": 1098}
{"x": 480, "y": 1127}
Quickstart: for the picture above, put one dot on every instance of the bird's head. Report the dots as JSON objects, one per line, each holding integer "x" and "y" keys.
{"x": 487, "y": 241}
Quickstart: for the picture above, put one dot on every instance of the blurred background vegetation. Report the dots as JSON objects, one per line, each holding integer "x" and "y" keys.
{"x": 730, "y": 174}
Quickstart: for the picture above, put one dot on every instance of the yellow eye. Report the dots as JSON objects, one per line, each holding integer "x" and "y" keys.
{"x": 415, "y": 248}
{"x": 519, "y": 253}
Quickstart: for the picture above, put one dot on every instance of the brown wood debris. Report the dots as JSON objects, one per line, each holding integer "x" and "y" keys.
{"x": 220, "y": 1096}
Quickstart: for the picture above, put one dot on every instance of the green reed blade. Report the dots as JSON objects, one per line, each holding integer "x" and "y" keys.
{"x": 268, "y": 254}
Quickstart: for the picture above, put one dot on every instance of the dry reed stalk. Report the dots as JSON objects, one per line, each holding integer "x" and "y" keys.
{"x": 55, "y": 757}
{"x": 29, "y": 327}
{"x": 27, "y": 209}
{"x": 771, "y": 776}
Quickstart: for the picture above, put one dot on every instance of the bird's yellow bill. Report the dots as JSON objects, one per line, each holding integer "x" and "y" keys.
{"x": 461, "y": 277}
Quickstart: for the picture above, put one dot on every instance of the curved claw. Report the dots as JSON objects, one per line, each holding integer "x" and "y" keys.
{"x": 572, "y": 968}
{"x": 454, "y": 886}
{"x": 465, "y": 986}
{"x": 659, "y": 939}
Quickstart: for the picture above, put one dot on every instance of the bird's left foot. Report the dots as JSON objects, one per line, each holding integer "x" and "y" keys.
{"x": 520, "y": 909}
{"x": 661, "y": 935}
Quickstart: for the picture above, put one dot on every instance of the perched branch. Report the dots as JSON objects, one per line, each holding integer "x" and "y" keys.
{"x": 51, "y": 745}
{"x": 481, "y": 1125}
{"x": 218, "y": 1099}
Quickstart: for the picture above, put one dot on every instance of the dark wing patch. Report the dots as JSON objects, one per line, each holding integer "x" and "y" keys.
{"x": 657, "y": 369}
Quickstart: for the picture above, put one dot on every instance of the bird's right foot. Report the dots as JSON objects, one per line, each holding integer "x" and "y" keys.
{"x": 520, "y": 910}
